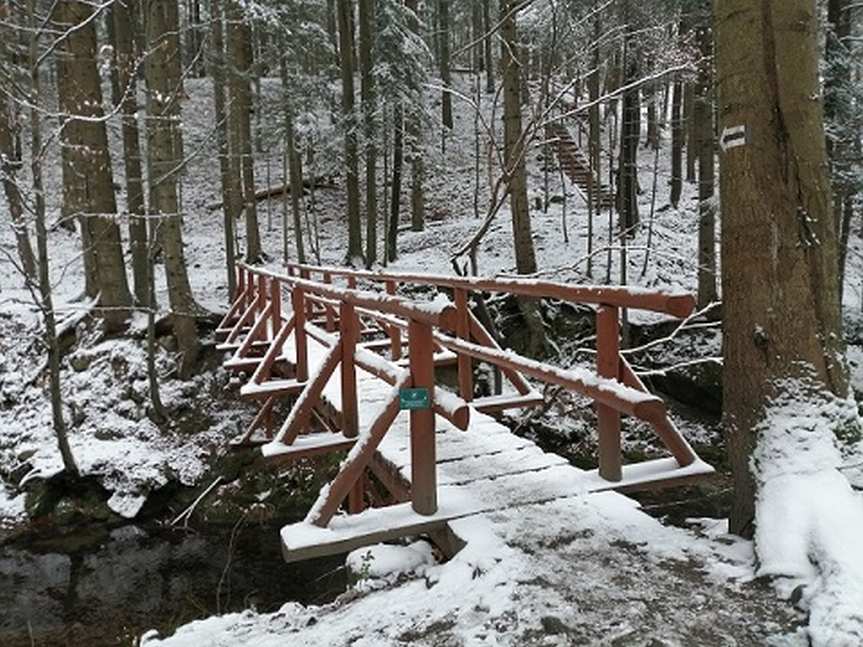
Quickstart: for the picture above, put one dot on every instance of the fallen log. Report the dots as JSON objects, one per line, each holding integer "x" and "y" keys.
{"x": 320, "y": 182}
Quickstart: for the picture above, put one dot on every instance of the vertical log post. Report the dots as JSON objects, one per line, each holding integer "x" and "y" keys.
{"x": 302, "y": 361}
{"x": 465, "y": 363}
{"x": 239, "y": 283}
{"x": 310, "y": 307}
{"x": 608, "y": 365}
{"x": 331, "y": 320}
{"x": 352, "y": 285}
{"x": 349, "y": 336}
{"x": 423, "y": 459}
{"x": 395, "y": 333}
{"x": 262, "y": 303}
{"x": 276, "y": 302}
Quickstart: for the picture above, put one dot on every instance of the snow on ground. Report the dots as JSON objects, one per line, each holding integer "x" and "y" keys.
{"x": 582, "y": 571}
{"x": 608, "y": 574}
{"x": 808, "y": 518}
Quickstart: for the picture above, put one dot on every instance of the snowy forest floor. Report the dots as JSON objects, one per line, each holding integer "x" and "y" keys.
{"x": 612, "y": 571}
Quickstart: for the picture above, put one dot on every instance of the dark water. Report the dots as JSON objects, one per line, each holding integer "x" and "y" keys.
{"x": 99, "y": 589}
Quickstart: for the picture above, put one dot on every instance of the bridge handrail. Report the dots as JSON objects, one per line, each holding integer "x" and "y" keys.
{"x": 675, "y": 303}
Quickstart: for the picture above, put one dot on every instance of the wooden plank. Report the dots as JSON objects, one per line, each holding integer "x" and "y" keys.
{"x": 271, "y": 388}
{"x": 305, "y": 446}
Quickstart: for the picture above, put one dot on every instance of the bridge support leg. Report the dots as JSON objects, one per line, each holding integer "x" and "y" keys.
{"x": 301, "y": 343}
{"x": 423, "y": 458}
{"x": 608, "y": 365}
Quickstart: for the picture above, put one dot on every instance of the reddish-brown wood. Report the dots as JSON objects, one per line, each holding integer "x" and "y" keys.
{"x": 265, "y": 367}
{"x": 423, "y": 461}
{"x": 301, "y": 412}
{"x": 356, "y": 462}
{"x": 482, "y": 336}
{"x": 262, "y": 290}
{"x": 676, "y": 304}
{"x": 349, "y": 337}
{"x": 665, "y": 429}
{"x": 395, "y": 333}
{"x": 608, "y": 418}
{"x": 331, "y": 324}
{"x": 465, "y": 363}
{"x": 302, "y": 359}
{"x": 276, "y": 304}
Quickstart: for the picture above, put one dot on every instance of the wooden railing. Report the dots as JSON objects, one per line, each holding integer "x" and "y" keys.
{"x": 256, "y": 330}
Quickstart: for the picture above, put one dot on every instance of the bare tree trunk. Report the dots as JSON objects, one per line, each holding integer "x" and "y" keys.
{"x": 367, "y": 37}
{"x": 689, "y": 125}
{"x": 703, "y": 116}
{"x": 88, "y": 183}
{"x": 46, "y": 305}
{"x": 230, "y": 198}
{"x": 514, "y": 143}
{"x": 163, "y": 124}
{"x": 489, "y": 60}
{"x": 594, "y": 147}
{"x": 395, "y": 202}
{"x": 781, "y": 304}
{"x": 838, "y": 108}
{"x": 445, "y": 73}
{"x": 240, "y": 58}
{"x": 413, "y": 129}
{"x": 9, "y": 163}
{"x": 676, "y": 145}
{"x": 629, "y": 135}
{"x": 126, "y": 96}
{"x": 295, "y": 171}
{"x": 355, "y": 242}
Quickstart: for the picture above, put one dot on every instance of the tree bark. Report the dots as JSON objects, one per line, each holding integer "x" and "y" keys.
{"x": 355, "y": 242}
{"x": 9, "y": 163}
{"x": 413, "y": 129}
{"x": 367, "y": 22}
{"x": 703, "y": 115}
{"x": 395, "y": 202}
{"x": 88, "y": 181}
{"x": 843, "y": 140}
{"x": 231, "y": 200}
{"x": 163, "y": 126}
{"x": 486, "y": 43}
{"x": 514, "y": 143}
{"x": 295, "y": 170}
{"x": 677, "y": 136}
{"x": 445, "y": 73}
{"x": 126, "y": 96}
{"x": 781, "y": 302}
{"x": 241, "y": 63}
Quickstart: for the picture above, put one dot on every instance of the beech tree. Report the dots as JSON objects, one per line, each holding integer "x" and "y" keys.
{"x": 88, "y": 180}
{"x": 164, "y": 164}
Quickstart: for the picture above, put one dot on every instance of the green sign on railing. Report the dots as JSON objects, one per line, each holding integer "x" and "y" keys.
{"x": 412, "y": 399}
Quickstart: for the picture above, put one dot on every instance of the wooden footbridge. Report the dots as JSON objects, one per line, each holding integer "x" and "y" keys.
{"x": 359, "y": 369}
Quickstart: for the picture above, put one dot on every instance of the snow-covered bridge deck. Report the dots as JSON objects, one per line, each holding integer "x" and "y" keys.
{"x": 481, "y": 469}
{"x": 446, "y": 459}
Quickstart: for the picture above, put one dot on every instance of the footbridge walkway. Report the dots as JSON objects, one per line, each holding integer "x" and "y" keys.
{"x": 364, "y": 370}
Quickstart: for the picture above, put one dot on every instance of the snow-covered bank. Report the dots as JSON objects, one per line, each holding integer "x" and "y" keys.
{"x": 586, "y": 571}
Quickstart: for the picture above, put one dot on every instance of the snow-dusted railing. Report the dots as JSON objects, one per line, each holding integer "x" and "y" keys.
{"x": 256, "y": 321}
{"x": 621, "y": 384}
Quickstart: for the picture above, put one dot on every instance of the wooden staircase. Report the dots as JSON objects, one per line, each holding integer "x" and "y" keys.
{"x": 576, "y": 166}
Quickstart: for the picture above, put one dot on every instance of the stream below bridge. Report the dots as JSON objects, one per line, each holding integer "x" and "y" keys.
{"x": 104, "y": 588}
